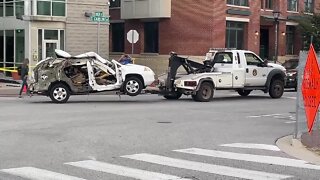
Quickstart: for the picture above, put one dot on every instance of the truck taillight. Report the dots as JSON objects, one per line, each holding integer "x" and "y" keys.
{"x": 190, "y": 83}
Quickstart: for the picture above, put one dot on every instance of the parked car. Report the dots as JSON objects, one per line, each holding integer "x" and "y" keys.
{"x": 63, "y": 76}
{"x": 291, "y": 66}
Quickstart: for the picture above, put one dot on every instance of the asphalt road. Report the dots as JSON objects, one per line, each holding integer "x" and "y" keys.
{"x": 147, "y": 137}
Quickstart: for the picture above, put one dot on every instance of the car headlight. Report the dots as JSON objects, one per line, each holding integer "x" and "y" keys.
{"x": 291, "y": 73}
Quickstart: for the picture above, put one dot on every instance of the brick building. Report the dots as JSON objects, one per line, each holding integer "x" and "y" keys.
{"x": 34, "y": 28}
{"x": 191, "y": 27}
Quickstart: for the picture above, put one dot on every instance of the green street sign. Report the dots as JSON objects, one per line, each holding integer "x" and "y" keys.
{"x": 98, "y": 14}
{"x": 100, "y": 19}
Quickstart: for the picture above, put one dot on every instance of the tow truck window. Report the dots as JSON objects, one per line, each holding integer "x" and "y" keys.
{"x": 252, "y": 59}
{"x": 223, "y": 57}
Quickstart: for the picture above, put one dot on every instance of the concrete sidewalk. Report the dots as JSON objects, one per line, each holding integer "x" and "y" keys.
{"x": 298, "y": 149}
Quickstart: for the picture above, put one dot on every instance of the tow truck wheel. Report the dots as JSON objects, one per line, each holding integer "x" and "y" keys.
{"x": 132, "y": 86}
{"x": 243, "y": 92}
{"x": 276, "y": 88}
{"x": 205, "y": 93}
{"x": 174, "y": 96}
{"x": 59, "y": 93}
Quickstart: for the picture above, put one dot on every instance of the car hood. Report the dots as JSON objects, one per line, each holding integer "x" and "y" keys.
{"x": 278, "y": 66}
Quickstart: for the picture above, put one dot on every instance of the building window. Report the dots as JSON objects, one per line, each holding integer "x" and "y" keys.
{"x": 268, "y": 4}
{"x": 151, "y": 37}
{"x": 115, "y": 3}
{"x": 117, "y": 31}
{"x": 8, "y": 8}
{"x": 290, "y": 40}
{"x": 48, "y": 41}
{"x": 11, "y": 8}
{"x": 51, "y": 7}
{"x": 238, "y": 2}
{"x": 234, "y": 35}
{"x": 12, "y": 47}
{"x": 1, "y": 9}
{"x": 292, "y": 5}
{"x": 308, "y": 6}
{"x": 20, "y": 45}
{"x": 1, "y": 48}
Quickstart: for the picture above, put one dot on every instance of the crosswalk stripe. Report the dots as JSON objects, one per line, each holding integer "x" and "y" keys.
{"x": 251, "y": 158}
{"x": 253, "y": 146}
{"x": 38, "y": 174}
{"x": 203, "y": 167}
{"x": 123, "y": 171}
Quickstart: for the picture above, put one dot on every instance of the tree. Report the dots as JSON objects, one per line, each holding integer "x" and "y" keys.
{"x": 309, "y": 26}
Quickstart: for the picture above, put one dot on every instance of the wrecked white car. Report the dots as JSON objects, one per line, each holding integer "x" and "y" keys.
{"x": 63, "y": 76}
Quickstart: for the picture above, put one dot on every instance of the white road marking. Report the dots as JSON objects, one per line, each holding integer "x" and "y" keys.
{"x": 253, "y": 146}
{"x": 288, "y": 97}
{"x": 208, "y": 168}
{"x": 123, "y": 171}
{"x": 38, "y": 174}
{"x": 290, "y": 122}
{"x": 251, "y": 158}
{"x": 264, "y": 115}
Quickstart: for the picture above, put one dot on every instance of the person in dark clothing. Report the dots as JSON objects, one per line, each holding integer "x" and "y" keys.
{"x": 24, "y": 76}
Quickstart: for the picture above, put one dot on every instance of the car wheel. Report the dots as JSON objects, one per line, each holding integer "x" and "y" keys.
{"x": 276, "y": 88}
{"x": 243, "y": 92}
{"x": 59, "y": 93}
{"x": 205, "y": 93}
{"x": 173, "y": 96}
{"x": 132, "y": 86}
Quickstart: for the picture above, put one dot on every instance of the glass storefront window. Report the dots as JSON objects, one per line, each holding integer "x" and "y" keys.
{"x": 1, "y": 48}
{"x": 20, "y": 54}
{"x": 235, "y": 35}
{"x": 44, "y": 8}
{"x": 9, "y": 8}
{"x": 1, "y": 8}
{"x": 9, "y": 41}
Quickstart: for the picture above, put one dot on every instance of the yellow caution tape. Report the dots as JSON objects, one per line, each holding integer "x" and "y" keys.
{"x": 8, "y": 70}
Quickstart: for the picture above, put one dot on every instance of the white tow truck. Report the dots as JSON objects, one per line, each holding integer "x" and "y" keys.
{"x": 223, "y": 69}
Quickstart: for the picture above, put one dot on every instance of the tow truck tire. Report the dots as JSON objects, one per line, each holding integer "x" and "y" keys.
{"x": 276, "y": 88}
{"x": 243, "y": 92}
{"x": 132, "y": 86}
{"x": 59, "y": 93}
{"x": 205, "y": 93}
{"x": 174, "y": 96}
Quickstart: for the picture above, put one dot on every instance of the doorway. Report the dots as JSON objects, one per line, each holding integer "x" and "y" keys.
{"x": 49, "y": 47}
{"x": 264, "y": 43}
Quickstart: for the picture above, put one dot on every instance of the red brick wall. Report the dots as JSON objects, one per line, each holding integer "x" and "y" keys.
{"x": 197, "y": 25}
{"x": 194, "y": 27}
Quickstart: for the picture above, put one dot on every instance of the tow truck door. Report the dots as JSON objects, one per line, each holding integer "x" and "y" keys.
{"x": 256, "y": 74}
{"x": 223, "y": 62}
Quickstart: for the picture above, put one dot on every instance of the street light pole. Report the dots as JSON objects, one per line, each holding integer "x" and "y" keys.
{"x": 276, "y": 15}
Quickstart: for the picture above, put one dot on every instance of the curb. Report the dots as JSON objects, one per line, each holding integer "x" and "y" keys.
{"x": 295, "y": 148}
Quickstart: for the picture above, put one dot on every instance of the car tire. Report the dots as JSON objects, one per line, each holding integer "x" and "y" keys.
{"x": 173, "y": 96}
{"x": 59, "y": 93}
{"x": 243, "y": 92}
{"x": 276, "y": 88}
{"x": 205, "y": 93}
{"x": 132, "y": 86}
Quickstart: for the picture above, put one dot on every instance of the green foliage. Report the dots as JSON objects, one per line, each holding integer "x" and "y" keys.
{"x": 309, "y": 26}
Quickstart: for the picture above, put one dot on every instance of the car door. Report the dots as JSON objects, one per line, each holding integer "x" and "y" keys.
{"x": 256, "y": 72}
